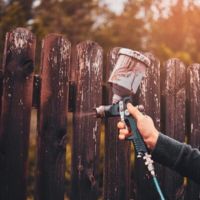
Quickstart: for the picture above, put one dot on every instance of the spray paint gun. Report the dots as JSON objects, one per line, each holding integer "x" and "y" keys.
{"x": 125, "y": 79}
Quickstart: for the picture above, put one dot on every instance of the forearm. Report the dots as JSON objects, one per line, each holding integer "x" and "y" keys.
{"x": 177, "y": 156}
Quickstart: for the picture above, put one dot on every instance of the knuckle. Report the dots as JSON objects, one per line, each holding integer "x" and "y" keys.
{"x": 123, "y": 131}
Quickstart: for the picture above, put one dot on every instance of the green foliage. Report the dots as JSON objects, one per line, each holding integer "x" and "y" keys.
{"x": 72, "y": 18}
{"x": 176, "y": 35}
{"x": 126, "y": 29}
{"x": 12, "y": 15}
{"x": 144, "y": 25}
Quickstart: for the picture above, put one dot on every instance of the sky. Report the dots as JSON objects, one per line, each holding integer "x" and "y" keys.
{"x": 115, "y": 5}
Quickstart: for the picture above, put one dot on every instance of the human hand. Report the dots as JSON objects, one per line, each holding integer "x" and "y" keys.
{"x": 145, "y": 126}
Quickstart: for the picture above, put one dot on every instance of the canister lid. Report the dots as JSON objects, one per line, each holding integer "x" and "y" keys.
{"x": 135, "y": 54}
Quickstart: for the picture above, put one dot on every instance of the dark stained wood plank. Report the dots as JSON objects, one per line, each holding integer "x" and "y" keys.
{"x": 1, "y": 88}
{"x": 117, "y": 153}
{"x": 52, "y": 121}
{"x": 86, "y": 134}
{"x": 18, "y": 62}
{"x": 36, "y": 91}
{"x": 174, "y": 91}
{"x": 193, "y": 99}
{"x": 149, "y": 97}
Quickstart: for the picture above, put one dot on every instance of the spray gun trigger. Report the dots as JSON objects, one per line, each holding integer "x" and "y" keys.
{"x": 126, "y": 112}
{"x": 121, "y": 110}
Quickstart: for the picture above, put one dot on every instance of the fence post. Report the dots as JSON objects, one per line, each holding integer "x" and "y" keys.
{"x": 18, "y": 62}
{"x": 174, "y": 111}
{"x": 52, "y": 121}
{"x": 117, "y": 153}
{"x": 86, "y": 134}
{"x": 1, "y": 88}
{"x": 193, "y": 72}
{"x": 36, "y": 91}
{"x": 149, "y": 97}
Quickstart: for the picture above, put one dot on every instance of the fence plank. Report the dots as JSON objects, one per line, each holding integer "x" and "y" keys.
{"x": 18, "y": 62}
{"x": 36, "y": 91}
{"x": 174, "y": 90}
{"x": 117, "y": 153}
{"x": 149, "y": 97}
{"x": 53, "y": 117}
{"x": 193, "y": 189}
{"x": 86, "y": 134}
{"x": 1, "y": 88}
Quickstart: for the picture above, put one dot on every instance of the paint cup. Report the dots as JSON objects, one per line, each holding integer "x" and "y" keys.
{"x": 128, "y": 72}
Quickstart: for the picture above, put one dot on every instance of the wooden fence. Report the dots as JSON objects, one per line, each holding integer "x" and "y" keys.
{"x": 74, "y": 84}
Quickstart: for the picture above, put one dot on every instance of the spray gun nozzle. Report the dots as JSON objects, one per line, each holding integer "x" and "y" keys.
{"x": 106, "y": 111}
{"x": 100, "y": 111}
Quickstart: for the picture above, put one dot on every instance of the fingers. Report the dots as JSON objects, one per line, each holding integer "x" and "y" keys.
{"x": 121, "y": 125}
{"x": 123, "y": 133}
{"x": 122, "y": 137}
{"x": 134, "y": 111}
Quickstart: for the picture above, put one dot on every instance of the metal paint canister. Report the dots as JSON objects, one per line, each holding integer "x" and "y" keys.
{"x": 128, "y": 73}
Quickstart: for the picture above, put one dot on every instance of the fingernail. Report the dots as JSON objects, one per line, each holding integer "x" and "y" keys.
{"x": 121, "y": 137}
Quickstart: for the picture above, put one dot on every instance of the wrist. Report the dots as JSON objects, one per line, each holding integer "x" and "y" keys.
{"x": 151, "y": 141}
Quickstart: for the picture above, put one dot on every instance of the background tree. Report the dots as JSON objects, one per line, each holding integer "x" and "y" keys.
{"x": 126, "y": 29}
{"x": 74, "y": 18}
{"x": 174, "y": 32}
{"x": 13, "y": 13}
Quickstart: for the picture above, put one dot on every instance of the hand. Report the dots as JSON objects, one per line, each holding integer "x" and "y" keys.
{"x": 145, "y": 126}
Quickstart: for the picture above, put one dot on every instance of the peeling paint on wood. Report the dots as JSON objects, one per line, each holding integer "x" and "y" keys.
{"x": 16, "y": 80}
{"x": 20, "y": 40}
{"x": 52, "y": 121}
{"x": 193, "y": 99}
{"x": 86, "y": 134}
{"x": 149, "y": 95}
{"x": 175, "y": 123}
{"x": 18, "y": 64}
{"x": 1, "y": 88}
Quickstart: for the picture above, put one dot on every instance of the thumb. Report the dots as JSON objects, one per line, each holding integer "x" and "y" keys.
{"x": 134, "y": 111}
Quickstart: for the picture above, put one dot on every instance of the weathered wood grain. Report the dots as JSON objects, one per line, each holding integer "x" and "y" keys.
{"x": 36, "y": 91}
{"x": 52, "y": 119}
{"x": 18, "y": 62}
{"x": 1, "y": 88}
{"x": 174, "y": 91}
{"x": 177, "y": 117}
{"x": 117, "y": 153}
{"x": 86, "y": 133}
{"x": 193, "y": 99}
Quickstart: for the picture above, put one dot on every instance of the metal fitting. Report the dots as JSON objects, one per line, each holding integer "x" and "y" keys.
{"x": 137, "y": 55}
